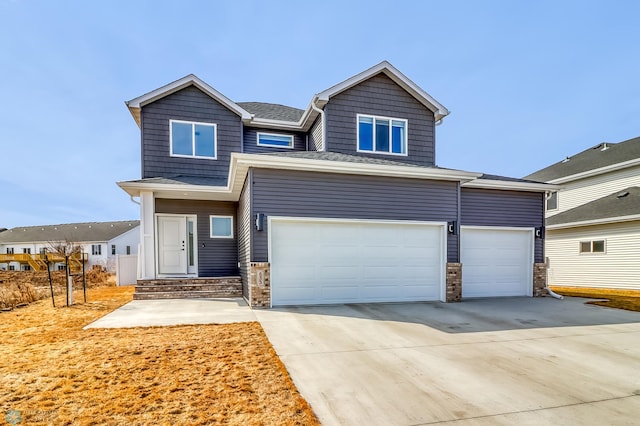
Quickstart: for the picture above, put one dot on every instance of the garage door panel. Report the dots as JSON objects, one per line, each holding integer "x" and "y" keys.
{"x": 496, "y": 262}
{"x": 350, "y": 262}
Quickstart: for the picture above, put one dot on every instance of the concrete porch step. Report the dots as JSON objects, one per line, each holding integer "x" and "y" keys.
{"x": 184, "y": 295}
{"x": 187, "y": 288}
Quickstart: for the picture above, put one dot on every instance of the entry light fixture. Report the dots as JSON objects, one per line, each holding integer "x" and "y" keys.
{"x": 260, "y": 221}
{"x": 452, "y": 228}
{"x": 540, "y": 232}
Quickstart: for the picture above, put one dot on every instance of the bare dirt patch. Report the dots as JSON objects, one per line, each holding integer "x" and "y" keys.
{"x": 619, "y": 299}
{"x": 53, "y": 372}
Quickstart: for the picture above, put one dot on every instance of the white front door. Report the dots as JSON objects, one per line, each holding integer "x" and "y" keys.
{"x": 172, "y": 245}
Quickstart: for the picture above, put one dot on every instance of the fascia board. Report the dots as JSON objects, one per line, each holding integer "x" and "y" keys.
{"x": 261, "y": 161}
{"x": 389, "y": 70}
{"x": 602, "y": 221}
{"x": 512, "y": 186}
{"x": 598, "y": 171}
{"x": 186, "y": 81}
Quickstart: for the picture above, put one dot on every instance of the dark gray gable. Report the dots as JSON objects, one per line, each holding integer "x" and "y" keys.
{"x": 380, "y": 96}
{"x": 621, "y": 203}
{"x": 601, "y": 155}
{"x": 188, "y": 104}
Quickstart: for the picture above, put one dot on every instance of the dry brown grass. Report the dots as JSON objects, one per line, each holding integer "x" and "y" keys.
{"x": 53, "y": 372}
{"x": 619, "y": 299}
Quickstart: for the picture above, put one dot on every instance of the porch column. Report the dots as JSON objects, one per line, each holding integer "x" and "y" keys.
{"x": 147, "y": 236}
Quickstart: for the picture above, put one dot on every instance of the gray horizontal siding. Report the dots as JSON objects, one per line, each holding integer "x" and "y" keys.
{"x": 310, "y": 194}
{"x": 251, "y": 141}
{"x": 380, "y": 96}
{"x": 216, "y": 256}
{"x": 315, "y": 135}
{"x": 487, "y": 207}
{"x": 244, "y": 235}
{"x": 189, "y": 104}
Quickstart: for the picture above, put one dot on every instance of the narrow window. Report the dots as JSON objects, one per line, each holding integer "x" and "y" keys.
{"x": 275, "y": 140}
{"x": 113, "y": 250}
{"x": 193, "y": 139}
{"x": 96, "y": 249}
{"x": 552, "y": 201}
{"x": 382, "y": 135}
{"x": 128, "y": 250}
{"x": 26, "y": 251}
{"x": 221, "y": 226}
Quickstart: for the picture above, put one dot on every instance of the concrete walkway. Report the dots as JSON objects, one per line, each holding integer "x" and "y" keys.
{"x": 502, "y": 361}
{"x": 148, "y": 313}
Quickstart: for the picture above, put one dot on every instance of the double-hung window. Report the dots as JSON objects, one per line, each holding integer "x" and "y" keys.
{"x": 382, "y": 135}
{"x": 96, "y": 249}
{"x": 190, "y": 139}
{"x": 275, "y": 140}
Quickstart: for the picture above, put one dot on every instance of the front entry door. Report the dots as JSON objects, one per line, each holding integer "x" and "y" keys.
{"x": 172, "y": 245}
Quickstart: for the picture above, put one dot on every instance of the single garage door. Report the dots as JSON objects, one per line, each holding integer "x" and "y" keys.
{"x": 327, "y": 261}
{"x": 496, "y": 262}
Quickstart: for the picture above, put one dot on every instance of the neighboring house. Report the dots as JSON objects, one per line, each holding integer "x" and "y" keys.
{"x": 593, "y": 221}
{"x": 100, "y": 241}
{"x": 341, "y": 202}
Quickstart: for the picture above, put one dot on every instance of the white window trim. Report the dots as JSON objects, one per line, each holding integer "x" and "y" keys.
{"x": 557, "y": 201}
{"x": 274, "y": 134}
{"x": 375, "y": 117}
{"x": 193, "y": 139}
{"x": 211, "y": 226}
{"x": 591, "y": 252}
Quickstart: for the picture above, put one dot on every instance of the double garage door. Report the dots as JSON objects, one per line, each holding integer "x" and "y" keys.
{"x": 345, "y": 261}
{"x": 322, "y": 262}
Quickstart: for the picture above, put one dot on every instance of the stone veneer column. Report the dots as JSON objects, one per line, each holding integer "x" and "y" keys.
{"x": 454, "y": 282}
{"x": 539, "y": 279}
{"x": 260, "y": 284}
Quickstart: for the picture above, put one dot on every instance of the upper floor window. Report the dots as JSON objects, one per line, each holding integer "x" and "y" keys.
{"x": 9, "y": 250}
{"x": 193, "y": 139}
{"x": 26, "y": 250}
{"x": 96, "y": 249}
{"x": 275, "y": 140}
{"x": 382, "y": 135}
{"x": 552, "y": 201}
{"x": 113, "y": 249}
{"x": 597, "y": 246}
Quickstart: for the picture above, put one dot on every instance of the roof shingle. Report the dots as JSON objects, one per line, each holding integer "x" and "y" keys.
{"x": 76, "y": 232}
{"x": 611, "y": 206}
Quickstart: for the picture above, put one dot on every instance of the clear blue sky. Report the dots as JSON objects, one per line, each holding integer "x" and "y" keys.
{"x": 527, "y": 83}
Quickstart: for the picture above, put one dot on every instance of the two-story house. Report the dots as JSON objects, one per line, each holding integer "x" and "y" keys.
{"x": 23, "y": 247}
{"x": 593, "y": 221}
{"x": 341, "y": 202}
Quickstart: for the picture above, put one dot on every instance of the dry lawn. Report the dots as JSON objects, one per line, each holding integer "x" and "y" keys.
{"x": 53, "y": 372}
{"x": 620, "y": 299}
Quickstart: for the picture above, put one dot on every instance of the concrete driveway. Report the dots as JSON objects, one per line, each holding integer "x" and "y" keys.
{"x": 502, "y": 361}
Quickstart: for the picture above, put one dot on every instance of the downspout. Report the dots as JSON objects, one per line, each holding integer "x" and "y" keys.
{"x": 551, "y": 292}
{"x": 321, "y": 112}
{"x": 134, "y": 201}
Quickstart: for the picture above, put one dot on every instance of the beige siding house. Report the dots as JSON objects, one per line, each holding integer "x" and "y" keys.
{"x": 593, "y": 222}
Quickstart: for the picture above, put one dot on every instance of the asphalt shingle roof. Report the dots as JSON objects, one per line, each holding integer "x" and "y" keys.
{"x": 590, "y": 159}
{"x": 272, "y": 111}
{"x": 614, "y": 205}
{"x": 76, "y": 232}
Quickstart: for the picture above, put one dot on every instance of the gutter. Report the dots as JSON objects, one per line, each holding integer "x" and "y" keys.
{"x": 321, "y": 112}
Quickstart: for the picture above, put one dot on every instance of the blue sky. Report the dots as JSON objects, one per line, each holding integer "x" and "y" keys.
{"x": 527, "y": 83}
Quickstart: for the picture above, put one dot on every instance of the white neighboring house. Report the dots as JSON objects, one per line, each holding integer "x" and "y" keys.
{"x": 593, "y": 222}
{"x": 101, "y": 241}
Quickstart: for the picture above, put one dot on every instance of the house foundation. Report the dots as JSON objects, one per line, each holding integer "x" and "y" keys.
{"x": 260, "y": 285}
{"x": 454, "y": 282}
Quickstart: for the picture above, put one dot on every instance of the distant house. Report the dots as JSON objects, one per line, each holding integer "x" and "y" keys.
{"x": 21, "y": 248}
{"x": 593, "y": 222}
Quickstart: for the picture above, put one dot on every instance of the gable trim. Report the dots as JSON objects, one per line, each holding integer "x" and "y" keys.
{"x": 510, "y": 186}
{"x": 136, "y": 104}
{"x": 394, "y": 74}
{"x": 602, "y": 221}
{"x": 598, "y": 171}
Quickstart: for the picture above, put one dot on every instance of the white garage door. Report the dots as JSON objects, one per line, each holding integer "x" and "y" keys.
{"x": 323, "y": 262}
{"x": 496, "y": 262}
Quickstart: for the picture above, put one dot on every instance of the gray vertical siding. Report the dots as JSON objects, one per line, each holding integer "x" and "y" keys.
{"x": 250, "y": 142}
{"x": 244, "y": 234}
{"x": 315, "y": 135}
{"x": 488, "y": 207}
{"x": 310, "y": 194}
{"x": 189, "y": 104}
{"x": 380, "y": 96}
{"x": 217, "y": 257}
